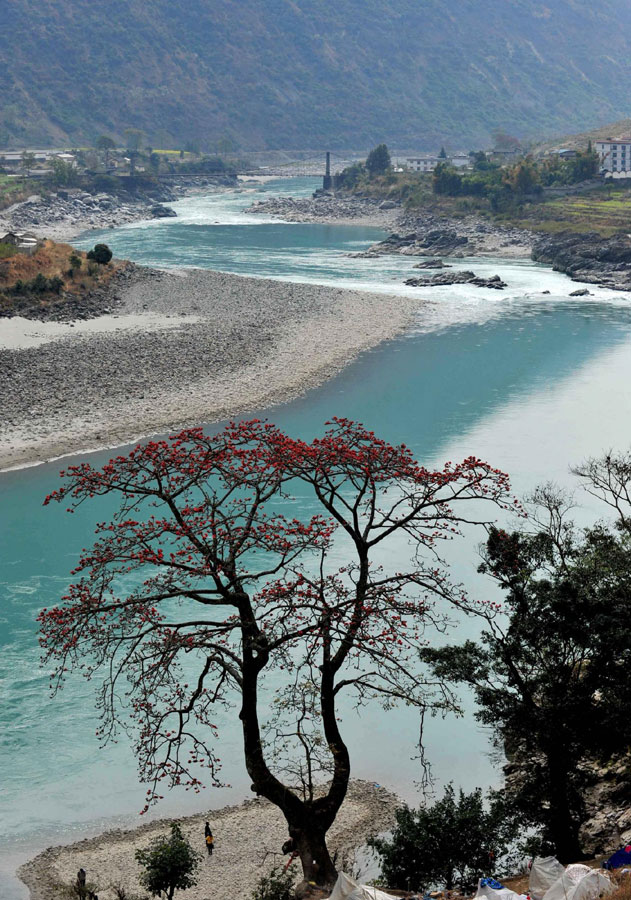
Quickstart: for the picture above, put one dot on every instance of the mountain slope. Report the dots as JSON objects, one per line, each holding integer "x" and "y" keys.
{"x": 300, "y": 73}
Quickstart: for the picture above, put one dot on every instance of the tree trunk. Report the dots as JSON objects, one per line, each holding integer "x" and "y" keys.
{"x": 317, "y": 865}
{"x": 564, "y": 823}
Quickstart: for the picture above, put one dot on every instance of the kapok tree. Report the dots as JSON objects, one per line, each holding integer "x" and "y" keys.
{"x": 199, "y": 587}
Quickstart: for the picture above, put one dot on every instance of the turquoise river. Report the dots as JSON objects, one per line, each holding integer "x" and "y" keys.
{"x": 532, "y": 382}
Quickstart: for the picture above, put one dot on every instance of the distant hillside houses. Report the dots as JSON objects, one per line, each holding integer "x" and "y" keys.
{"x": 12, "y": 159}
{"x": 615, "y": 154}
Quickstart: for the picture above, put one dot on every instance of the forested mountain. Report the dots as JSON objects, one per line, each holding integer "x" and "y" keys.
{"x": 310, "y": 73}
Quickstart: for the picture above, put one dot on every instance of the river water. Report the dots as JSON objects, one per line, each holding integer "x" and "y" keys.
{"x": 532, "y": 382}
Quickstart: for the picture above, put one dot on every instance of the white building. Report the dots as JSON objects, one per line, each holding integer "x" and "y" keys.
{"x": 429, "y": 163}
{"x": 615, "y": 154}
{"x": 424, "y": 163}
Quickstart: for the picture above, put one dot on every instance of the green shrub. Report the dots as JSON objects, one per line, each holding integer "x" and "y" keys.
{"x": 455, "y": 841}
{"x": 101, "y": 254}
{"x": 277, "y": 885}
{"x": 38, "y": 285}
{"x": 169, "y": 864}
{"x": 7, "y": 250}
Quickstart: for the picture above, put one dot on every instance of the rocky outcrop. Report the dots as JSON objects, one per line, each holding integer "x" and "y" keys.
{"x": 162, "y": 212}
{"x": 432, "y": 264}
{"x": 436, "y": 242}
{"x": 589, "y": 258}
{"x": 428, "y": 234}
{"x": 608, "y": 806}
{"x": 464, "y": 277}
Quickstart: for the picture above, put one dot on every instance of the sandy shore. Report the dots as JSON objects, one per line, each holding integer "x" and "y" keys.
{"x": 187, "y": 348}
{"x": 248, "y": 839}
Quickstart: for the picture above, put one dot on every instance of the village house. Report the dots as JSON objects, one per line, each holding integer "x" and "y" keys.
{"x": 23, "y": 241}
{"x": 429, "y": 163}
{"x": 614, "y": 154}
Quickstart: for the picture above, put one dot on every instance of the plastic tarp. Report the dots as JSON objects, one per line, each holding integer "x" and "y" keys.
{"x": 348, "y": 889}
{"x": 545, "y": 870}
{"x": 589, "y": 887}
{"x": 487, "y": 892}
{"x": 620, "y": 858}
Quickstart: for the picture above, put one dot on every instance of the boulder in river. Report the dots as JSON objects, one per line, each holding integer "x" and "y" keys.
{"x": 432, "y": 264}
{"x": 463, "y": 277}
{"x": 162, "y": 212}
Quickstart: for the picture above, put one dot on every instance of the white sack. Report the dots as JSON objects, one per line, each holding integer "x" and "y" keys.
{"x": 596, "y": 884}
{"x": 348, "y": 889}
{"x": 577, "y": 871}
{"x": 589, "y": 887}
{"x": 544, "y": 872}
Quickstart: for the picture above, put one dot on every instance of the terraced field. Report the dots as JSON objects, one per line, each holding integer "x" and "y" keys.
{"x": 605, "y": 210}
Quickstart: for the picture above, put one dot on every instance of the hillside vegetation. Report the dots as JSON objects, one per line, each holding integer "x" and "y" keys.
{"x": 54, "y": 276}
{"x": 301, "y": 73}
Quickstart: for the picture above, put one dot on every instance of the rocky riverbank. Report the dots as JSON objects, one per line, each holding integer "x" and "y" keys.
{"x": 248, "y": 840}
{"x": 63, "y": 214}
{"x": 416, "y": 233}
{"x": 177, "y": 349}
{"x": 588, "y": 258}
{"x": 330, "y": 209}
{"x": 430, "y": 235}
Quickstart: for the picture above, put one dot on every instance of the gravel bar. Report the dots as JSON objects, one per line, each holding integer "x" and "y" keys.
{"x": 189, "y": 347}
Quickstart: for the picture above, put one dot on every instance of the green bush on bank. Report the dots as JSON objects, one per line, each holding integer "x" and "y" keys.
{"x": 38, "y": 285}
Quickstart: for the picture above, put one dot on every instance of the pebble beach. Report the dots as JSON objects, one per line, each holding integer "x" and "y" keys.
{"x": 248, "y": 841}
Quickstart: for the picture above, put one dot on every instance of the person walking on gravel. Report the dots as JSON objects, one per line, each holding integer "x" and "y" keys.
{"x": 209, "y": 839}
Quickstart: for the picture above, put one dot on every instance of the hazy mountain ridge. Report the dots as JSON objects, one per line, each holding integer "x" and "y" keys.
{"x": 283, "y": 73}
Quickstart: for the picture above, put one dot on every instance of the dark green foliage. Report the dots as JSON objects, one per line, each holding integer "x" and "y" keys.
{"x": 169, "y": 864}
{"x": 278, "y": 885}
{"x": 549, "y": 672}
{"x": 351, "y": 176}
{"x": 134, "y": 138}
{"x": 207, "y": 165}
{"x": 442, "y": 154}
{"x": 584, "y": 165}
{"x": 104, "y": 142}
{"x": 28, "y": 161}
{"x": 100, "y": 254}
{"x": 7, "y": 250}
{"x": 455, "y": 841}
{"x": 378, "y": 160}
{"x": 64, "y": 173}
{"x": 38, "y": 285}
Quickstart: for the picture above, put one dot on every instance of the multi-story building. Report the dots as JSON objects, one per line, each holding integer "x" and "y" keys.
{"x": 615, "y": 154}
{"x": 424, "y": 163}
{"x": 429, "y": 163}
